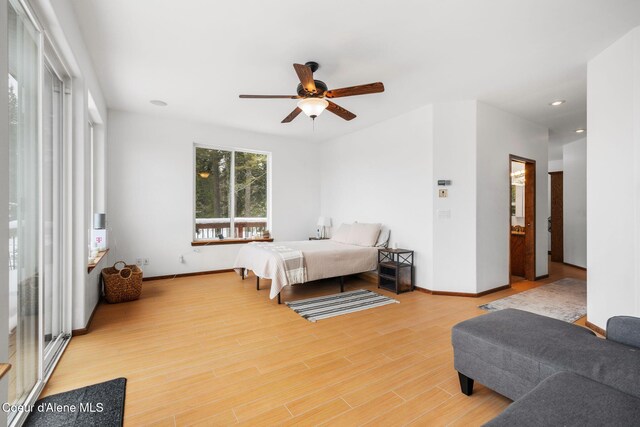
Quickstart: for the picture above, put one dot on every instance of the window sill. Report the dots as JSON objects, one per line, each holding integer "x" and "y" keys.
{"x": 96, "y": 260}
{"x": 228, "y": 241}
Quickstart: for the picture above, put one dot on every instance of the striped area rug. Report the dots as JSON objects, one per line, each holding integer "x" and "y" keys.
{"x": 318, "y": 308}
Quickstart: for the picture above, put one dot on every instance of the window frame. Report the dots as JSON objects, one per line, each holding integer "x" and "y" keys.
{"x": 232, "y": 198}
{"x": 91, "y": 126}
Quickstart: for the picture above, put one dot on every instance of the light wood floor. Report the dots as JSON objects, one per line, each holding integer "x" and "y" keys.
{"x": 211, "y": 350}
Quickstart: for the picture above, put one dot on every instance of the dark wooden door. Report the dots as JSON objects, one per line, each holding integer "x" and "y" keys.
{"x": 557, "y": 227}
{"x": 530, "y": 220}
{"x": 517, "y": 254}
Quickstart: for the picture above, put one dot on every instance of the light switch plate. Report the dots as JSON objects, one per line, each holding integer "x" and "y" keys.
{"x": 442, "y": 193}
{"x": 444, "y": 214}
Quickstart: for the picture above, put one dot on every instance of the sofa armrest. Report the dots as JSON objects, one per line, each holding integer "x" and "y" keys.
{"x": 624, "y": 330}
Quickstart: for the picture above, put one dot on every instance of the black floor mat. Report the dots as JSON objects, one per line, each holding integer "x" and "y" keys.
{"x": 96, "y": 405}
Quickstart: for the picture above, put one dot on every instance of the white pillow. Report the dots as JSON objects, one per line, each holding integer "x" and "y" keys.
{"x": 342, "y": 233}
{"x": 362, "y": 234}
{"x": 383, "y": 238}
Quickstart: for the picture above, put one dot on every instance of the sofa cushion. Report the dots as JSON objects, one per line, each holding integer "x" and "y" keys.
{"x": 624, "y": 330}
{"x": 531, "y": 348}
{"x": 566, "y": 399}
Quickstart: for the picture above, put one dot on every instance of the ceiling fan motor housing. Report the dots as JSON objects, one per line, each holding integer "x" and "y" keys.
{"x": 313, "y": 65}
{"x": 320, "y": 86}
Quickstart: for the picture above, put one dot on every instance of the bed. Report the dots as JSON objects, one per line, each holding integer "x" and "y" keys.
{"x": 290, "y": 263}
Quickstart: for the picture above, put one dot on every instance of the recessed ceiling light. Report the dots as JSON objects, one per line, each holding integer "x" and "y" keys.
{"x": 158, "y": 103}
{"x": 557, "y": 102}
{"x": 579, "y": 130}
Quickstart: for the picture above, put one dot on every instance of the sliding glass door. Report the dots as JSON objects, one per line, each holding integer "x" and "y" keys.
{"x": 37, "y": 327}
{"x": 24, "y": 204}
{"x": 52, "y": 197}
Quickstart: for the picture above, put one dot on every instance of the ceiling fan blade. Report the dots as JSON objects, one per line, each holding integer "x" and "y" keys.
{"x": 270, "y": 96}
{"x": 339, "y": 111}
{"x": 306, "y": 77}
{"x": 292, "y": 115}
{"x": 355, "y": 90}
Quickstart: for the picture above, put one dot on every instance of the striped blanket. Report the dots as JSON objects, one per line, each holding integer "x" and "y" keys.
{"x": 280, "y": 263}
{"x": 292, "y": 262}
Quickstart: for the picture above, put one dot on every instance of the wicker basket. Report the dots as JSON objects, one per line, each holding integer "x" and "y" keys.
{"x": 121, "y": 285}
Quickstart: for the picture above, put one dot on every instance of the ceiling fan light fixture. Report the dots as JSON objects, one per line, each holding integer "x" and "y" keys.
{"x": 313, "y": 107}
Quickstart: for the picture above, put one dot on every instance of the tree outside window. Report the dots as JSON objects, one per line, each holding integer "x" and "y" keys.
{"x": 231, "y": 193}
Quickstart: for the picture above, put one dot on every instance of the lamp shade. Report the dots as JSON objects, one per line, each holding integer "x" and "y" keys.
{"x": 313, "y": 107}
{"x": 324, "y": 221}
{"x": 99, "y": 221}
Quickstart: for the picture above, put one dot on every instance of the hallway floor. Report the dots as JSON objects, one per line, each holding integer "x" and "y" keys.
{"x": 557, "y": 271}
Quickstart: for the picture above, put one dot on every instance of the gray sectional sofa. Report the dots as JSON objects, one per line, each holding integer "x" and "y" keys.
{"x": 551, "y": 369}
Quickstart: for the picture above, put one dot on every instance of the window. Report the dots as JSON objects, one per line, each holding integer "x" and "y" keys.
{"x": 26, "y": 223}
{"x": 231, "y": 193}
{"x": 92, "y": 171}
{"x": 96, "y": 166}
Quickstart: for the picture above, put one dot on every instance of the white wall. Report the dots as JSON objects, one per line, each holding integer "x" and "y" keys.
{"x": 557, "y": 140}
{"x": 556, "y": 165}
{"x": 4, "y": 201}
{"x": 613, "y": 181}
{"x": 575, "y": 202}
{"x": 454, "y": 223}
{"x": 384, "y": 174}
{"x": 388, "y": 173}
{"x": 555, "y": 152}
{"x": 150, "y": 190}
{"x": 573, "y": 162}
{"x": 500, "y": 134}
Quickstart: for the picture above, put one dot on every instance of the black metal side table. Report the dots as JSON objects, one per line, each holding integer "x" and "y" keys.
{"x": 395, "y": 270}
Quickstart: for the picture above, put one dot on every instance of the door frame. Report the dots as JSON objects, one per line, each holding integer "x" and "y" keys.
{"x": 530, "y": 216}
{"x": 52, "y": 352}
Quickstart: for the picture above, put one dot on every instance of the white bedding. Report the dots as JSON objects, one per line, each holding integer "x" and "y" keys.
{"x": 323, "y": 259}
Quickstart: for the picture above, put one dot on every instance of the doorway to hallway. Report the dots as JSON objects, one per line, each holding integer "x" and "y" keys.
{"x": 522, "y": 209}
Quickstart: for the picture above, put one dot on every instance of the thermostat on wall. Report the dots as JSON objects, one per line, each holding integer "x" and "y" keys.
{"x": 444, "y": 182}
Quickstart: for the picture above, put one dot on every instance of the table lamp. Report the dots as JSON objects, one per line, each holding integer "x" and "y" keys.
{"x": 323, "y": 221}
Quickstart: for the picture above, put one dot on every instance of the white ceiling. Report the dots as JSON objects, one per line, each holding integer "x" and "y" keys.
{"x": 199, "y": 55}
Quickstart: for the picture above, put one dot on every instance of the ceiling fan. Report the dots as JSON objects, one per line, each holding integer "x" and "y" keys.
{"x": 313, "y": 93}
